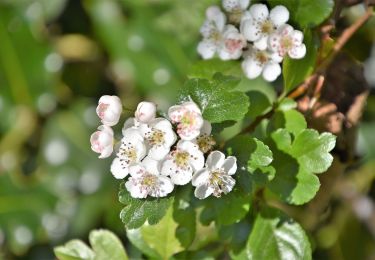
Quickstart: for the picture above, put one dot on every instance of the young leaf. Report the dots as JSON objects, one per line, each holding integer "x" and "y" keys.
{"x": 135, "y": 237}
{"x": 301, "y": 10}
{"x": 207, "y": 68}
{"x": 106, "y": 245}
{"x": 296, "y": 71}
{"x": 74, "y": 250}
{"x": 275, "y": 236}
{"x": 292, "y": 120}
{"x": 217, "y": 100}
{"x": 137, "y": 211}
{"x": 161, "y": 237}
{"x": 262, "y": 156}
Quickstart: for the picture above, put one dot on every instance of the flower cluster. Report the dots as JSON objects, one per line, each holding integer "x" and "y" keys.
{"x": 261, "y": 37}
{"x": 157, "y": 153}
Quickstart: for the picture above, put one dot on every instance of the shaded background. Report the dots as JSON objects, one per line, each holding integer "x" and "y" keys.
{"x": 57, "y": 57}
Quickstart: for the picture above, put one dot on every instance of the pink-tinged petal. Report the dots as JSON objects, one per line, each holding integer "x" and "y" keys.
{"x": 188, "y": 134}
{"x": 261, "y": 43}
{"x": 206, "y": 49}
{"x": 297, "y": 37}
{"x": 271, "y": 71}
{"x": 279, "y": 15}
{"x": 203, "y": 191}
{"x": 176, "y": 112}
{"x": 251, "y": 68}
{"x": 259, "y": 12}
{"x": 215, "y": 160}
{"x": 134, "y": 189}
{"x": 200, "y": 177}
{"x": 285, "y": 29}
{"x": 213, "y": 13}
{"x": 230, "y": 165}
{"x": 107, "y": 151}
{"x": 118, "y": 170}
{"x": 274, "y": 42}
{"x": 158, "y": 152}
{"x": 251, "y": 30}
{"x": 297, "y": 52}
{"x": 146, "y": 111}
{"x": 165, "y": 187}
{"x": 190, "y": 105}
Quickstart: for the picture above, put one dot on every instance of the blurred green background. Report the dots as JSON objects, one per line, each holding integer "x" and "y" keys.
{"x": 57, "y": 57}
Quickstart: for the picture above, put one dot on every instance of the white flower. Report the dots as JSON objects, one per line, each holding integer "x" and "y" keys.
{"x": 189, "y": 119}
{"x": 205, "y": 140}
{"x": 102, "y": 141}
{"x": 109, "y": 110}
{"x": 261, "y": 23}
{"x": 146, "y": 180}
{"x": 236, "y": 9}
{"x": 182, "y": 162}
{"x": 146, "y": 111}
{"x": 132, "y": 150}
{"x": 258, "y": 62}
{"x": 215, "y": 178}
{"x": 159, "y": 136}
{"x": 220, "y": 38}
{"x": 286, "y": 40}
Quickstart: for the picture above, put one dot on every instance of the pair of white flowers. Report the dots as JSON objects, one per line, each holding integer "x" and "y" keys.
{"x": 159, "y": 153}
{"x": 262, "y": 37}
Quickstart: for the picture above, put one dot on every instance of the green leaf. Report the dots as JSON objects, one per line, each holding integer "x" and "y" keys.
{"x": 306, "y": 13}
{"x": 217, "y": 100}
{"x": 275, "y": 236}
{"x": 312, "y": 150}
{"x": 137, "y": 211}
{"x": 161, "y": 237}
{"x": 135, "y": 237}
{"x": 74, "y": 250}
{"x": 106, "y": 245}
{"x": 262, "y": 156}
{"x": 185, "y": 216}
{"x": 291, "y": 120}
{"x": 287, "y": 104}
{"x": 208, "y": 68}
{"x": 234, "y": 204}
{"x": 295, "y": 71}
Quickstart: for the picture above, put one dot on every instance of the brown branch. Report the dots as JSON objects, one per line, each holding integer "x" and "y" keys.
{"x": 257, "y": 120}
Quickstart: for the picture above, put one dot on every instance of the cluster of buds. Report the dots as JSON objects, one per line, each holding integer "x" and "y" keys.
{"x": 156, "y": 154}
{"x": 261, "y": 37}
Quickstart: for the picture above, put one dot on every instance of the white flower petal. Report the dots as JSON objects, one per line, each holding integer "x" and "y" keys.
{"x": 158, "y": 152}
{"x": 279, "y": 15}
{"x": 203, "y": 191}
{"x": 107, "y": 151}
{"x": 191, "y": 106}
{"x": 297, "y": 37}
{"x": 206, "y": 128}
{"x": 206, "y": 49}
{"x": 176, "y": 112}
{"x": 170, "y": 137}
{"x": 215, "y": 160}
{"x": 130, "y": 122}
{"x": 297, "y": 52}
{"x": 285, "y": 29}
{"x": 119, "y": 171}
{"x": 151, "y": 166}
{"x": 243, "y": 3}
{"x": 197, "y": 161}
{"x": 274, "y": 56}
{"x": 213, "y": 13}
{"x": 261, "y": 43}
{"x": 160, "y": 123}
{"x": 259, "y": 12}
{"x": 136, "y": 170}
{"x": 188, "y": 135}
{"x": 200, "y": 177}
{"x": 271, "y": 71}
{"x": 187, "y": 146}
{"x": 166, "y": 187}
{"x": 135, "y": 190}
{"x": 146, "y": 111}
{"x": 182, "y": 177}
{"x": 250, "y": 30}
{"x": 274, "y": 42}
{"x": 230, "y": 5}
{"x": 230, "y": 165}
{"x": 251, "y": 68}
{"x": 132, "y": 135}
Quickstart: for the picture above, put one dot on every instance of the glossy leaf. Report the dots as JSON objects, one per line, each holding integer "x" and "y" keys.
{"x": 74, "y": 250}
{"x": 106, "y": 245}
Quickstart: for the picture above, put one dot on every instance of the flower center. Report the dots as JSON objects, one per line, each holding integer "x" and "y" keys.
{"x": 261, "y": 57}
{"x": 188, "y": 119}
{"x": 221, "y": 182}
{"x": 205, "y": 143}
{"x": 286, "y": 42}
{"x": 149, "y": 180}
{"x": 233, "y": 45}
{"x": 235, "y": 15}
{"x": 127, "y": 153}
{"x": 102, "y": 108}
{"x": 267, "y": 27}
{"x": 156, "y": 137}
{"x": 215, "y": 36}
{"x": 181, "y": 158}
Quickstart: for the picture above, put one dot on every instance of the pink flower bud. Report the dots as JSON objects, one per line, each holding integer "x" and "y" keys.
{"x": 102, "y": 141}
{"x": 109, "y": 110}
{"x": 146, "y": 111}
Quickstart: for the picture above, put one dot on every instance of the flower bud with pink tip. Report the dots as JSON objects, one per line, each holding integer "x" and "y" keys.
{"x": 109, "y": 110}
{"x": 146, "y": 111}
{"x": 102, "y": 141}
